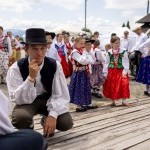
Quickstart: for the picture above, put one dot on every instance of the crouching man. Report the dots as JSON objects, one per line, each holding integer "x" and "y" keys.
{"x": 39, "y": 87}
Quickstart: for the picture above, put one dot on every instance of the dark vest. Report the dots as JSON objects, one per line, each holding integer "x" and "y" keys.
{"x": 119, "y": 63}
{"x": 47, "y": 72}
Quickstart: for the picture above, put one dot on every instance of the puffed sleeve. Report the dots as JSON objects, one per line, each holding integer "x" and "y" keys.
{"x": 59, "y": 100}
{"x": 105, "y": 67}
{"x": 125, "y": 63}
{"x": 84, "y": 59}
{"x": 24, "y": 91}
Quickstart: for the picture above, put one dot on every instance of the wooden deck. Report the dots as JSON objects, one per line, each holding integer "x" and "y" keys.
{"x": 106, "y": 128}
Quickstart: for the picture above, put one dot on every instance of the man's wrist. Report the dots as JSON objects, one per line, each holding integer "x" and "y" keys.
{"x": 31, "y": 79}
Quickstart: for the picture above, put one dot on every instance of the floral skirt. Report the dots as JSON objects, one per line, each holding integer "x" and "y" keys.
{"x": 115, "y": 86}
{"x": 79, "y": 88}
{"x": 97, "y": 79}
{"x": 3, "y": 63}
{"x": 143, "y": 75}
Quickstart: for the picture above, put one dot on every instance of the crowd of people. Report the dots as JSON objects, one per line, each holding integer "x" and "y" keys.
{"x": 39, "y": 80}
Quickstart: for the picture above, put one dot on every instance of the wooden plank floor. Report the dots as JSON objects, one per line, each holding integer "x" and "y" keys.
{"x": 106, "y": 128}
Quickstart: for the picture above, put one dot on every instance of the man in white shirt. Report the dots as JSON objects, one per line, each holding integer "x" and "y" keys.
{"x": 39, "y": 87}
{"x": 126, "y": 42}
{"x": 141, "y": 38}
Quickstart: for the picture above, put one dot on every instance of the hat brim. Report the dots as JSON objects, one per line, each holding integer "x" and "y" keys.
{"x": 52, "y": 34}
{"x": 137, "y": 28}
{"x": 34, "y": 43}
{"x": 90, "y": 41}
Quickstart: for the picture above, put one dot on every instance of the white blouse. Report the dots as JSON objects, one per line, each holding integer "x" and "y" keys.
{"x": 25, "y": 92}
{"x": 125, "y": 63}
{"x": 99, "y": 55}
{"x": 84, "y": 59}
{"x": 5, "y": 123}
{"x": 145, "y": 48}
{"x": 52, "y": 53}
{"x": 60, "y": 44}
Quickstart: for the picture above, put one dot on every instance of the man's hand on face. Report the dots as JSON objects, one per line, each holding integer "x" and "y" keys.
{"x": 33, "y": 69}
{"x": 49, "y": 126}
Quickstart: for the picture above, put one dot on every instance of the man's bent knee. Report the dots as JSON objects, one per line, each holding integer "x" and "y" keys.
{"x": 22, "y": 120}
{"x": 64, "y": 122}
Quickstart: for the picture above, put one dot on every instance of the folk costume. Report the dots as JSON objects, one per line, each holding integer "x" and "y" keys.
{"x": 69, "y": 50}
{"x": 143, "y": 75}
{"x": 48, "y": 94}
{"x": 5, "y": 52}
{"x": 16, "y": 51}
{"x": 80, "y": 88}
{"x": 52, "y": 53}
{"x": 62, "y": 52}
{"x": 97, "y": 78}
{"x": 117, "y": 64}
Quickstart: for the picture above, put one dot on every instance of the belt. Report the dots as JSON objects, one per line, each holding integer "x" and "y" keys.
{"x": 82, "y": 68}
{"x": 98, "y": 63}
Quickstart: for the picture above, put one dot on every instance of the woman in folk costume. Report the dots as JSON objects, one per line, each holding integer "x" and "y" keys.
{"x": 69, "y": 50}
{"x": 80, "y": 88}
{"x": 5, "y": 53}
{"x": 143, "y": 75}
{"x": 16, "y": 49}
{"x": 115, "y": 71}
{"x": 97, "y": 78}
{"x": 51, "y": 52}
{"x": 59, "y": 45}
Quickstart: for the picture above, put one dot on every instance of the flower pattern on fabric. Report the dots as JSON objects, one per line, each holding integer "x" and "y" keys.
{"x": 80, "y": 88}
{"x": 143, "y": 75}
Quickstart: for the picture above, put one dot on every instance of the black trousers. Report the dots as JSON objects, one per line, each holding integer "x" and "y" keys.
{"x": 22, "y": 115}
{"x": 138, "y": 55}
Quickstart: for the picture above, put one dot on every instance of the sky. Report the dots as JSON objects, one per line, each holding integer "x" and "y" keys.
{"x": 55, "y": 15}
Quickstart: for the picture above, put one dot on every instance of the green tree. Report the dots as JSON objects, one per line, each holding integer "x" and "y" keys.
{"x": 123, "y": 25}
{"x": 128, "y": 24}
{"x": 87, "y": 30}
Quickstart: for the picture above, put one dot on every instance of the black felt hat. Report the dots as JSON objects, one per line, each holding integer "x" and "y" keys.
{"x": 51, "y": 33}
{"x": 89, "y": 40}
{"x": 35, "y": 36}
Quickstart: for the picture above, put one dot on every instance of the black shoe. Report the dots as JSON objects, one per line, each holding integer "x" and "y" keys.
{"x": 93, "y": 94}
{"x": 134, "y": 79}
{"x": 146, "y": 93}
{"x": 92, "y": 106}
{"x": 98, "y": 95}
{"x": 81, "y": 109}
{"x": 113, "y": 105}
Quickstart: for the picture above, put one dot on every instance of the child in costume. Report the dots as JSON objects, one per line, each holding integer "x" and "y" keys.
{"x": 97, "y": 70}
{"x": 80, "y": 88}
{"x": 115, "y": 71}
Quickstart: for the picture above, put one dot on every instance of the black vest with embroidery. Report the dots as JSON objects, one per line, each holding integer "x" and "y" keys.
{"x": 47, "y": 72}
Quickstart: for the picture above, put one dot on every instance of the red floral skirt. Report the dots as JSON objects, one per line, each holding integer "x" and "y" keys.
{"x": 115, "y": 86}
